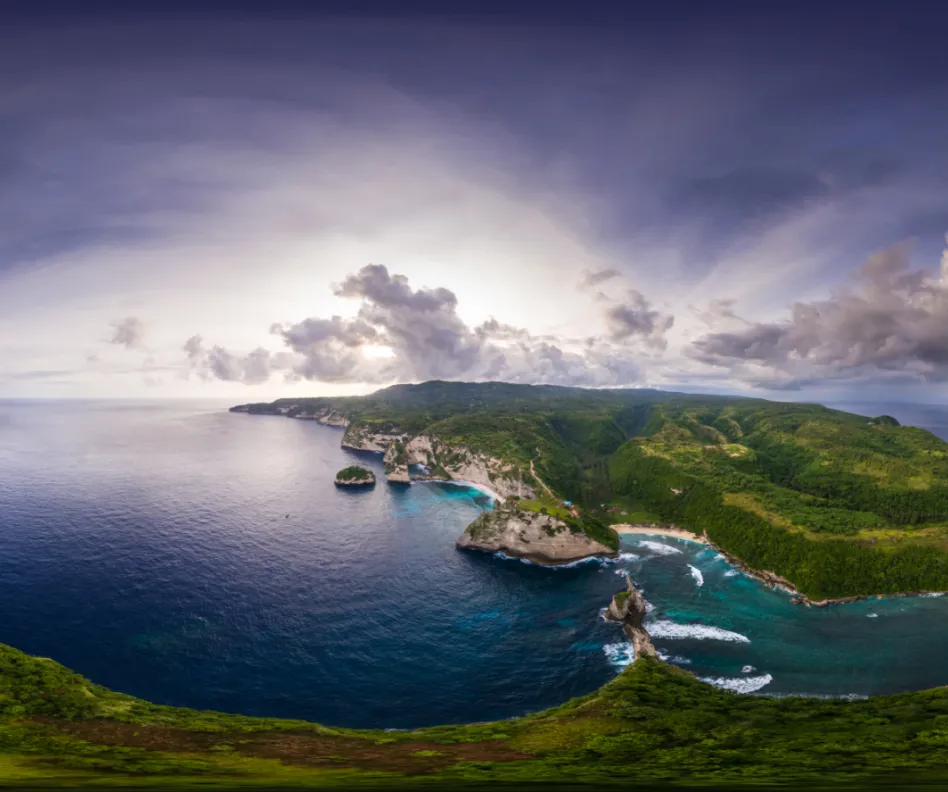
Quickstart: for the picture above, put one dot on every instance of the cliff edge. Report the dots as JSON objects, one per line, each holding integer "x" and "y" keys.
{"x": 540, "y": 538}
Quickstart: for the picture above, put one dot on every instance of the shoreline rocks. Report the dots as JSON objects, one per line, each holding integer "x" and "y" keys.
{"x": 540, "y": 538}
{"x": 354, "y": 476}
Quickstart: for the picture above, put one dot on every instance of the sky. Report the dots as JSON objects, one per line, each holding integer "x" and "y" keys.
{"x": 249, "y": 201}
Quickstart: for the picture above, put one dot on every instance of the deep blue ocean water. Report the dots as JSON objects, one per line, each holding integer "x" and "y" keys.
{"x": 195, "y": 557}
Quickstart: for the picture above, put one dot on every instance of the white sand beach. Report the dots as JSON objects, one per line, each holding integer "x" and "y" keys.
{"x": 472, "y": 485}
{"x": 657, "y": 530}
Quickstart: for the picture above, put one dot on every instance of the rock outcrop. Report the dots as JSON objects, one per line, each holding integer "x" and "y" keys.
{"x": 396, "y": 464}
{"x": 628, "y": 607}
{"x": 355, "y": 476}
{"x": 333, "y": 418}
{"x": 540, "y": 538}
{"x": 362, "y": 437}
{"x": 461, "y": 464}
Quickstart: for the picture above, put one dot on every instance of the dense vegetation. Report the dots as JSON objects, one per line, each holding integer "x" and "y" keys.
{"x": 654, "y": 722}
{"x": 355, "y": 474}
{"x": 839, "y": 504}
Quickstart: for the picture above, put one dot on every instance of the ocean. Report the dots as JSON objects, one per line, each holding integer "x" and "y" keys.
{"x": 200, "y": 558}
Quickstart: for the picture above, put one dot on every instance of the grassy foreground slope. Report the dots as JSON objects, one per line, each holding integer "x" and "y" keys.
{"x": 839, "y": 504}
{"x": 654, "y": 722}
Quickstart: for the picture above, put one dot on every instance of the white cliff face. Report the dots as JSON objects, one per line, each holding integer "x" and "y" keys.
{"x": 333, "y": 418}
{"x": 396, "y": 468}
{"x": 443, "y": 461}
{"x": 540, "y": 538}
{"x": 462, "y": 464}
{"x": 360, "y": 438}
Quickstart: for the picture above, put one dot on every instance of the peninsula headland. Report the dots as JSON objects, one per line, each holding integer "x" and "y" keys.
{"x": 828, "y": 504}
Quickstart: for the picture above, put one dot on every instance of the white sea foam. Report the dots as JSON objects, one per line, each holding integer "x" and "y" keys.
{"x": 740, "y": 684}
{"x": 698, "y": 632}
{"x": 580, "y": 562}
{"x": 696, "y": 574}
{"x": 471, "y": 485}
{"x": 602, "y": 614}
{"x": 501, "y": 554}
{"x": 676, "y": 659}
{"x": 620, "y": 559}
{"x": 872, "y": 615}
{"x": 747, "y": 669}
{"x": 731, "y": 573}
{"x": 934, "y": 594}
{"x": 659, "y": 548}
{"x": 619, "y": 654}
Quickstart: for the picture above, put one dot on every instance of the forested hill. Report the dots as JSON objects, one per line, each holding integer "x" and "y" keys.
{"x": 839, "y": 504}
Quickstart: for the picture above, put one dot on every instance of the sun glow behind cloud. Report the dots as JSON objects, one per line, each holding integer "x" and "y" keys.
{"x": 220, "y": 195}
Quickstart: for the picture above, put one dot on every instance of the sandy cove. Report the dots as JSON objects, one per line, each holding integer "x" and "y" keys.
{"x": 470, "y": 484}
{"x": 659, "y": 530}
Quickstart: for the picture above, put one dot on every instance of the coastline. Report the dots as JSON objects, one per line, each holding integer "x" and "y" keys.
{"x": 770, "y": 579}
{"x": 658, "y": 530}
{"x": 469, "y": 484}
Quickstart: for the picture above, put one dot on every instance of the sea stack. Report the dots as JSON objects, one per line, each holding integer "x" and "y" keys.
{"x": 355, "y": 476}
{"x": 628, "y": 607}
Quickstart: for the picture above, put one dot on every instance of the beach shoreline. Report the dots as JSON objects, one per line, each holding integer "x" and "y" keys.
{"x": 658, "y": 530}
{"x": 469, "y": 484}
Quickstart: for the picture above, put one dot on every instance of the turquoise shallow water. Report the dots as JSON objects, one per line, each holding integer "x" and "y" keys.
{"x": 200, "y": 558}
{"x": 736, "y": 631}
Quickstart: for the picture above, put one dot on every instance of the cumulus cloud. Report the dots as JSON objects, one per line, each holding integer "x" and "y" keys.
{"x": 251, "y": 369}
{"x": 400, "y": 333}
{"x": 636, "y": 318}
{"x": 128, "y": 332}
{"x": 219, "y": 363}
{"x": 890, "y": 323}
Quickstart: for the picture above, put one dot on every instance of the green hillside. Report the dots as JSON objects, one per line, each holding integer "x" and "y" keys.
{"x": 837, "y": 503}
{"x": 654, "y": 722}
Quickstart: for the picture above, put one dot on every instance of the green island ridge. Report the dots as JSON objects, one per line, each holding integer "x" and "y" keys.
{"x": 652, "y": 723}
{"x": 832, "y": 505}
{"x": 836, "y": 505}
{"x": 355, "y": 476}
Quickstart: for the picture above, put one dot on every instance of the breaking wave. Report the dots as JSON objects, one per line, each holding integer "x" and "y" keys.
{"x": 502, "y": 555}
{"x": 619, "y": 655}
{"x": 698, "y": 632}
{"x": 696, "y": 574}
{"x": 659, "y": 548}
{"x": 740, "y": 684}
{"x": 675, "y": 659}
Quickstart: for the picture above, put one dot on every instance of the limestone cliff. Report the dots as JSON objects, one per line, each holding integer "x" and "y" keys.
{"x": 628, "y": 607}
{"x": 332, "y": 418}
{"x": 540, "y": 538}
{"x": 363, "y": 437}
{"x": 462, "y": 464}
{"x": 396, "y": 464}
